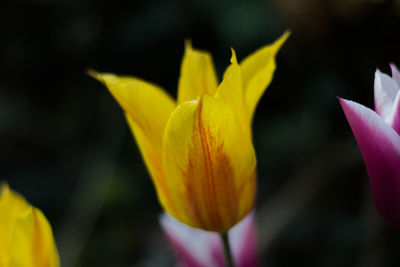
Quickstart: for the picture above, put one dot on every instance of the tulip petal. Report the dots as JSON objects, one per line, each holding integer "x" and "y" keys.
{"x": 181, "y": 237}
{"x": 380, "y": 146}
{"x": 32, "y": 243}
{"x": 207, "y": 250}
{"x": 197, "y": 75}
{"x": 395, "y": 112}
{"x": 257, "y": 70}
{"x": 26, "y": 238}
{"x": 147, "y": 109}
{"x": 395, "y": 74}
{"x": 11, "y": 206}
{"x": 231, "y": 92}
{"x": 385, "y": 91}
{"x": 244, "y": 242}
{"x": 209, "y": 163}
{"x": 394, "y": 116}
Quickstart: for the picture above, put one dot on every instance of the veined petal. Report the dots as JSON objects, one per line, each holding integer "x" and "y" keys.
{"x": 147, "y": 108}
{"x": 209, "y": 164}
{"x": 197, "y": 74}
{"x": 231, "y": 92}
{"x": 380, "y": 147}
{"x": 257, "y": 70}
{"x": 395, "y": 74}
{"x": 207, "y": 251}
{"x": 385, "y": 91}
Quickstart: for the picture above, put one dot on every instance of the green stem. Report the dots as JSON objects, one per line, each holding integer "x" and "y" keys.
{"x": 227, "y": 250}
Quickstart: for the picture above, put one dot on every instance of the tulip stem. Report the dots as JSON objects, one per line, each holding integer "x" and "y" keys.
{"x": 227, "y": 250}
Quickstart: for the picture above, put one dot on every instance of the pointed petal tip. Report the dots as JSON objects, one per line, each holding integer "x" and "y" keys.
{"x": 395, "y": 72}
{"x": 341, "y": 101}
{"x": 282, "y": 39}
{"x": 197, "y": 75}
{"x": 344, "y": 101}
{"x": 94, "y": 74}
{"x": 349, "y": 106}
{"x": 286, "y": 35}
{"x": 91, "y": 72}
{"x": 233, "y": 57}
{"x": 188, "y": 45}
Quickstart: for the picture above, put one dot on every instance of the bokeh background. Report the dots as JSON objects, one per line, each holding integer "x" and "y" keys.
{"x": 66, "y": 147}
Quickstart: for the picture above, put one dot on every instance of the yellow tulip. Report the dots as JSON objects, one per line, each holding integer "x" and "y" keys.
{"x": 26, "y": 238}
{"x": 199, "y": 149}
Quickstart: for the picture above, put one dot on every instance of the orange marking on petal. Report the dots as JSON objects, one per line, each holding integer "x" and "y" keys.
{"x": 209, "y": 179}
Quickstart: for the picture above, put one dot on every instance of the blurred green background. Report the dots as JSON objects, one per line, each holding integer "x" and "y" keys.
{"x": 66, "y": 147}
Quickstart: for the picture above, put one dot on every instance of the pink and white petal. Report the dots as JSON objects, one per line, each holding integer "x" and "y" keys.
{"x": 242, "y": 238}
{"x": 394, "y": 117}
{"x": 380, "y": 147}
{"x": 197, "y": 248}
{"x": 385, "y": 91}
{"x": 192, "y": 247}
{"x": 244, "y": 244}
{"x": 217, "y": 253}
{"x": 395, "y": 73}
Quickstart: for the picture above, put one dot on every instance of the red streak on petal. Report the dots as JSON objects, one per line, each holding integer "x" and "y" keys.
{"x": 209, "y": 179}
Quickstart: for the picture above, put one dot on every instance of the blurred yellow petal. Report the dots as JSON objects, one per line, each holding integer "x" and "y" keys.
{"x": 26, "y": 238}
{"x": 231, "y": 92}
{"x": 32, "y": 243}
{"x": 11, "y": 206}
{"x": 210, "y": 164}
{"x": 147, "y": 108}
{"x": 197, "y": 74}
{"x": 258, "y": 70}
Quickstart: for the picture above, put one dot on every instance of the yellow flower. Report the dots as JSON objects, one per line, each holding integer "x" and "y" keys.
{"x": 26, "y": 238}
{"x": 199, "y": 149}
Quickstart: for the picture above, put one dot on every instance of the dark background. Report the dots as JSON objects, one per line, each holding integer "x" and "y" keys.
{"x": 66, "y": 147}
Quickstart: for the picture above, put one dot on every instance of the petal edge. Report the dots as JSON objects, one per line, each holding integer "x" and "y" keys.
{"x": 380, "y": 148}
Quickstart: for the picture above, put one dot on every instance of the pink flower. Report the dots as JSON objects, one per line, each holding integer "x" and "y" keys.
{"x": 198, "y": 248}
{"x": 377, "y": 134}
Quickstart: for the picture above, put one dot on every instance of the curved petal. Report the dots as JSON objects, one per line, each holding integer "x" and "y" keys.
{"x": 231, "y": 92}
{"x": 380, "y": 147}
{"x": 26, "y": 238}
{"x": 147, "y": 109}
{"x": 197, "y": 75}
{"x": 394, "y": 116}
{"x": 258, "y": 69}
{"x": 32, "y": 242}
{"x": 11, "y": 206}
{"x": 395, "y": 74}
{"x": 180, "y": 236}
{"x": 244, "y": 242}
{"x": 385, "y": 91}
{"x": 207, "y": 251}
{"x": 210, "y": 164}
